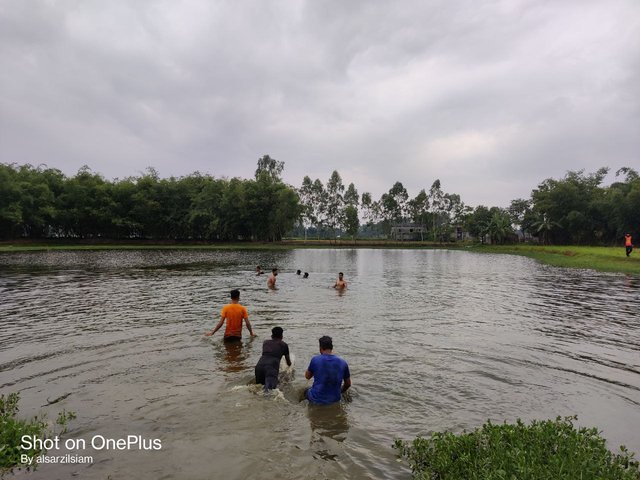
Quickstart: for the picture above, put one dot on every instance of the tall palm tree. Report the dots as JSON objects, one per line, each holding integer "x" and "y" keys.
{"x": 499, "y": 227}
{"x": 544, "y": 225}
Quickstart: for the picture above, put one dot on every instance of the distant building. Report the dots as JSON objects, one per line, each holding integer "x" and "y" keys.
{"x": 461, "y": 235}
{"x": 407, "y": 231}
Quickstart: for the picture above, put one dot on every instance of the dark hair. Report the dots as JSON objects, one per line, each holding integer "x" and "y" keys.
{"x": 298, "y": 272}
{"x": 340, "y": 273}
{"x": 274, "y": 270}
{"x": 306, "y": 274}
{"x": 276, "y": 332}
{"x": 235, "y": 294}
{"x": 326, "y": 343}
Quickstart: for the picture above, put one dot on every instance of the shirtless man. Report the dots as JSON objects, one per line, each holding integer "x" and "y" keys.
{"x": 271, "y": 282}
{"x": 340, "y": 283}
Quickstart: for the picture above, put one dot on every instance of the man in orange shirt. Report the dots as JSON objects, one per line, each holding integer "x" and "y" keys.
{"x": 233, "y": 313}
{"x": 628, "y": 244}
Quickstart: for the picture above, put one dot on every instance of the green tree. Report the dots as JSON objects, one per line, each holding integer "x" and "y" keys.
{"x": 351, "y": 222}
{"x": 418, "y": 210}
{"x": 10, "y": 209}
{"x": 334, "y": 202}
{"x": 499, "y": 227}
{"x": 269, "y": 169}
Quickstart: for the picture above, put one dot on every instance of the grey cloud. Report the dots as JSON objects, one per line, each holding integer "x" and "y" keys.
{"x": 491, "y": 97}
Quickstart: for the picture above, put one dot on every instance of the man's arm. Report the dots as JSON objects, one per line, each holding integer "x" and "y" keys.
{"x": 248, "y": 324}
{"x": 217, "y": 327}
{"x": 308, "y": 375}
{"x": 346, "y": 385}
{"x": 286, "y": 356}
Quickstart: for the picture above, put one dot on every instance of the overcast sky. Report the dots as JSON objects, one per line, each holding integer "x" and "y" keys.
{"x": 490, "y": 97}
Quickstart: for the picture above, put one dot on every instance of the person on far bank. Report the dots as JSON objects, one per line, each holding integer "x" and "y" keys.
{"x": 340, "y": 283}
{"x": 330, "y": 373}
{"x": 268, "y": 366}
{"x": 234, "y": 314}
{"x": 628, "y": 244}
{"x": 271, "y": 281}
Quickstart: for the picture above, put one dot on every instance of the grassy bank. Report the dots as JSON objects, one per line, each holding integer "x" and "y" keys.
{"x": 604, "y": 259}
{"x": 27, "y": 246}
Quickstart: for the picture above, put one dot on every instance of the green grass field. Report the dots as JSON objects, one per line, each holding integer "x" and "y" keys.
{"x": 604, "y": 259}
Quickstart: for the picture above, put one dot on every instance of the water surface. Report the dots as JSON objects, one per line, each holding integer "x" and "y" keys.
{"x": 435, "y": 340}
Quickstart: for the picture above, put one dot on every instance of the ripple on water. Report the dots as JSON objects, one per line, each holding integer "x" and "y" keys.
{"x": 435, "y": 340}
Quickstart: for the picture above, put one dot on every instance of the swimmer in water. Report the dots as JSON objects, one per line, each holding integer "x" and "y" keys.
{"x": 306, "y": 275}
{"x": 271, "y": 282}
{"x": 259, "y": 270}
{"x": 234, "y": 314}
{"x": 298, "y": 272}
{"x": 340, "y": 283}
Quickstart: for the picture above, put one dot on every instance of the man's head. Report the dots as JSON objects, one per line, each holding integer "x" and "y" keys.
{"x": 235, "y": 294}
{"x": 340, "y": 275}
{"x": 276, "y": 332}
{"x": 258, "y": 268}
{"x": 306, "y": 275}
{"x": 627, "y": 235}
{"x": 326, "y": 343}
{"x": 274, "y": 272}
{"x": 298, "y": 272}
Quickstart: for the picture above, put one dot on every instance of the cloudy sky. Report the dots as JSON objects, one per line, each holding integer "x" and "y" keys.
{"x": 490, "y": 97}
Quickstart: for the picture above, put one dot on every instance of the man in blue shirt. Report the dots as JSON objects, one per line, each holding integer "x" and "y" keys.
{"x": 330, "y": 375}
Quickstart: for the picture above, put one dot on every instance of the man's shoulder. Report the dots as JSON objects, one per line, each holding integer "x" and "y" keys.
{"x": 343, "y": 363}
{"x": 234, "y": 306}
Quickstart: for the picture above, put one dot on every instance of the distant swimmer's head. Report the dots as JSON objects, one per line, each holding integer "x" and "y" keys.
{"x": 274, "y": 272}
{"x": 235, "y": 294}
{"x": 276, "y": 332}
{"x": 258, "y": 268}
{"x": 326, "y": 343}
{"x": 306, "y": 275}
{"x": 340, "y": 274}
{"x": 298, "y": 272}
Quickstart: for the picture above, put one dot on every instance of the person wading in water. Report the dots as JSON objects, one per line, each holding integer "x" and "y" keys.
{"x": 234, "y": 314}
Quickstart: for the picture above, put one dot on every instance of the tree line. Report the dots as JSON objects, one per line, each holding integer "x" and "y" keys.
{"x": 41, "y": 202}
{"x": 44, "y": 203}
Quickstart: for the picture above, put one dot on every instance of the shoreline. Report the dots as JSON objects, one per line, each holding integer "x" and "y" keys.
{"x": 602, "y": 259}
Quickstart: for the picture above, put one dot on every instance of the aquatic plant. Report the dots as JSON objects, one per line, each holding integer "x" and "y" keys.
{"x": 12, "y": 430}
{"x": 549, "y": 449}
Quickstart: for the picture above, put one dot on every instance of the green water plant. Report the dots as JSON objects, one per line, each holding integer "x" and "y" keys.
{"x": 549, "y": 449}
{"x": 12, "y": 429}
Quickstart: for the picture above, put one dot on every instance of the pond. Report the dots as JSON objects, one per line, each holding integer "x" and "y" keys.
{"x": 435, "y": 340}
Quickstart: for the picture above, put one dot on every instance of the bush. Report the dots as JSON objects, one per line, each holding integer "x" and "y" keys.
{"x": 12, "y": 429}
{"x": 549, "y": 449}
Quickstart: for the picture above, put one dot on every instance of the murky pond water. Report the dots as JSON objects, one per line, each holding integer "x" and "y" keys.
{"x": 435, "y": 340}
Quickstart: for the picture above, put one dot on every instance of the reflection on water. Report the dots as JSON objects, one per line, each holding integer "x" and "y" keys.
{"x": 434, "y": 339}
{"x": 329, "y": 421}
